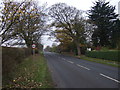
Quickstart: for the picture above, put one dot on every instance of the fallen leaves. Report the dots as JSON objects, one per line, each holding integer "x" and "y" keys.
{"x": 25, "y": 82}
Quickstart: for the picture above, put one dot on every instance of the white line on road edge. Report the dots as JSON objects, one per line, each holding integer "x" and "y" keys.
{"x": 109, "y": 78}
{"x": 70, "y": 62}
{"x": 83, "y": 67}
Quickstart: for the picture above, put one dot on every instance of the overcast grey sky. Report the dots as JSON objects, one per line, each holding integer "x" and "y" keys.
{"x": 79, "y": 4}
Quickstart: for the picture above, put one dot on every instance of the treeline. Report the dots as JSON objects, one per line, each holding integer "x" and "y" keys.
{"x": 76, "y": 33}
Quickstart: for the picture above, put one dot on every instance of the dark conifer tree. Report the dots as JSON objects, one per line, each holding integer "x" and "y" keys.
{"x": 103, "y": 16}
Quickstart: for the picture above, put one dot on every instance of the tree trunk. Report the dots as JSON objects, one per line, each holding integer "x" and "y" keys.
{"x": 78, "y": 50}
{"x": 28, "y": 43}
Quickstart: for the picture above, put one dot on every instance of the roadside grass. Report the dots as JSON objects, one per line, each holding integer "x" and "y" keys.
{"x": 31, "y": 73}
{"x": 102, "y": 61}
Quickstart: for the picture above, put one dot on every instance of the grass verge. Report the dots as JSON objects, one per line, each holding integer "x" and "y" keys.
{"x": 102, "y": 61}
{"x": 31, "y": 73}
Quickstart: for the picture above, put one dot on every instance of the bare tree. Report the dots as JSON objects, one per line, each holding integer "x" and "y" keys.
{"x": 71, "y": 21}
{"x": 22, "y": 21}
{"x": 10, "y": 15}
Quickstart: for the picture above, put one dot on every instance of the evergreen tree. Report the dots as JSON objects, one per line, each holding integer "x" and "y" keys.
{"x": 115, "y": 35}
{"x": 103, "y": 16}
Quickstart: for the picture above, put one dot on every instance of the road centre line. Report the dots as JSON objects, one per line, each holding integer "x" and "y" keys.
{"x": 83, "y": 67}
{"x": 63, "y": 58}
{"x": 70, "y": 61}
{"x": 109, "y": 78}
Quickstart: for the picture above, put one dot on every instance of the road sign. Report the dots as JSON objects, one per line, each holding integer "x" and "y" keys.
{"x": 33, "y": 46}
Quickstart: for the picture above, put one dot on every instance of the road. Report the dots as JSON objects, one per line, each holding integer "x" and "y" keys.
{"x": 71, "y": 72}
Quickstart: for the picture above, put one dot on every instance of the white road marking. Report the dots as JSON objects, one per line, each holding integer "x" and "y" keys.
{"x": 109, "y": 78}
{"x": 59, "y": 57}
{"x": 70, "y": 61}
{"x": 83, "y": 67}
{"x": 63, "y": 58}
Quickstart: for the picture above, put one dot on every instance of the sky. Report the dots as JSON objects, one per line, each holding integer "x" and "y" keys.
{"x": 79, "y": 4}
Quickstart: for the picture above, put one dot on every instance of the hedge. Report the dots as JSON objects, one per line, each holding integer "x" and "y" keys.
{"x": 107, "y": 55}
{"x": 11, "y": 57}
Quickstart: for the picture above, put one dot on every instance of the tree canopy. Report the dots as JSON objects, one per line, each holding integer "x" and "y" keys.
{"x": 22, "y": 21}
{"x": 70, "y": 20}
{"x": 103, "y": 16}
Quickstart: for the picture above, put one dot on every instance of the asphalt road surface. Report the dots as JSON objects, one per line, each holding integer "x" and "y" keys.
{"x": 71, "y": 72}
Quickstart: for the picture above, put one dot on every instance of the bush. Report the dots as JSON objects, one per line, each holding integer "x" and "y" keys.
{"x": 83, "y": 49}
{"x": 108, "y": 55}
{"x": 36, "y": 51}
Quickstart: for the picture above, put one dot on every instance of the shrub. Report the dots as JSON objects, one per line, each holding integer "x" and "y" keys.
{"x": 83, "y": 49}
{"x": 36, "y": 51}
{"x": 108, "y": 55}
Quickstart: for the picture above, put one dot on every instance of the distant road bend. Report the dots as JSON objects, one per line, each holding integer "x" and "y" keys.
{"x": 71, "y": 72}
